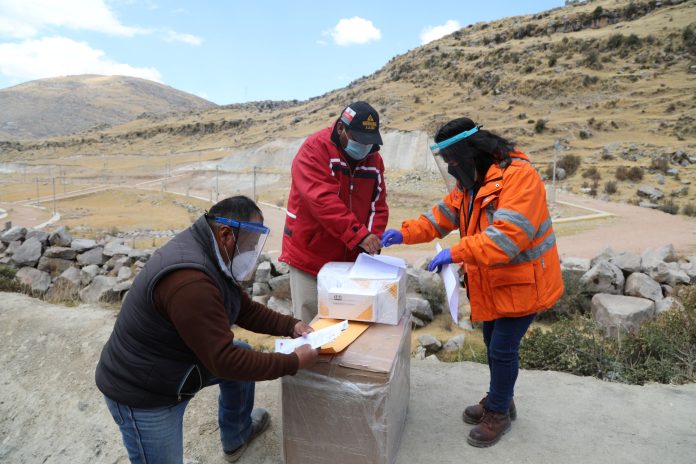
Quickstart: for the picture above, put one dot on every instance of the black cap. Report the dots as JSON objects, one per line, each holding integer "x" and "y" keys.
{"x": 362, "y": 121}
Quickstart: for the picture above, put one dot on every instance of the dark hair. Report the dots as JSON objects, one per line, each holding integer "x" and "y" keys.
{"x": 240, "y": 208}
{"x": 481, "y": 144}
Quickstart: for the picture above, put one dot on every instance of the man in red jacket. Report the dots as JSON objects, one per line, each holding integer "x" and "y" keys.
{"x": 337, "y": 206}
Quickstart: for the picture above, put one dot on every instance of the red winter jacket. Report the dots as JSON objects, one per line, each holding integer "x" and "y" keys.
{"x": 332, "y": 206}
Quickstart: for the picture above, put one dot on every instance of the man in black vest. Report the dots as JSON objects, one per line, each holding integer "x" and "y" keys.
{"x": 172, "y": 337}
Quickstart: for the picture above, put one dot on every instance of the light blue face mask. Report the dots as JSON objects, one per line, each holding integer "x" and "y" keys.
{"x": 356, "y": 150}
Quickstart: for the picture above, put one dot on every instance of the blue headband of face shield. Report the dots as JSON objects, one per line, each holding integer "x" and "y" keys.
{"x": 257, "y": 227}
{"x": 436, "y": 147}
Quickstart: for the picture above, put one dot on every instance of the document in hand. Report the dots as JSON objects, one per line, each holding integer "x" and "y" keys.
{"x": 451, "y": 280}
{"x": 314, "y": 339}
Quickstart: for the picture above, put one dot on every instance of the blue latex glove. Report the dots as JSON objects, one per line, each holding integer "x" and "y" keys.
{"x": 392, "y": 237}
{"x": 442, "y": 258}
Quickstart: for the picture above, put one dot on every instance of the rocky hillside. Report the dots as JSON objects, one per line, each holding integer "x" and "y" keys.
{"x": 65, "y": 105}
{"x": 612, "y": 81}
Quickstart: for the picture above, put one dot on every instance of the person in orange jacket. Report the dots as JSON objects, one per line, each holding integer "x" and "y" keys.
{"x": 507, "y": 252}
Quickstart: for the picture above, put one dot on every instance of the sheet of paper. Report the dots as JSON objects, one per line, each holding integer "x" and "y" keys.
{"x": 376, "y": 267}
{"x": 451, "y": 280}
{"x": 314, "y": 339}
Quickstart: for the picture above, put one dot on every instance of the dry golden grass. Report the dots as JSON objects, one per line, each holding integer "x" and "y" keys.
{"x": 123, "y": 210}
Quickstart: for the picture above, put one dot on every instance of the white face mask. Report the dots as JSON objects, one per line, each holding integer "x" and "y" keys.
{"x": 243, "y": 264}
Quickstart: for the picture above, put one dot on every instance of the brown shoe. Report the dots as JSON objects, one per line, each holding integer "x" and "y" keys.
{"x": 493, "y": 426}
{"x": 473, "y": 414}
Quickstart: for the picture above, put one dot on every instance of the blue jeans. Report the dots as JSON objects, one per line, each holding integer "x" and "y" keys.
{"x": 502, "y": 338}
{"x": 156, "y": 435}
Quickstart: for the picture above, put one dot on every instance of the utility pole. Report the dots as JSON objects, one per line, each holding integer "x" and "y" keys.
{"x": 217, "y": 183}
{"x": 556, "y": 149}
{"x": 254, "y": 184}
{"x": 54, "y": 194}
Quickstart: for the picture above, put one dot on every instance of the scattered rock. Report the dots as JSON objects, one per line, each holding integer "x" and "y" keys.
{"x": 641, "y": 285}
{"x": 619, "y": 313}
{"x": 60, "y": 237}
{"x": 280, "y": 286}
{"x": 430, "y": 343}
{"x": 455, "y": 343}
{"x": 36, "y": 281}
{"x": 604, "y": 277}
{"x": 28, "y": 253}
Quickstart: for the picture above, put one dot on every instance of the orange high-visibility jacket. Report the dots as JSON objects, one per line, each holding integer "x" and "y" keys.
{"x": 508, "y": 248}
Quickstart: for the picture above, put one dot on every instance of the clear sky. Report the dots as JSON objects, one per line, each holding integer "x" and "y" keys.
{"x": 229, "y": 51}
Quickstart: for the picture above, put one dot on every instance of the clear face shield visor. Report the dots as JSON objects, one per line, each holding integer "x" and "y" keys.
{"x": 435, "y": 150}
{"x": 250, "y": 240}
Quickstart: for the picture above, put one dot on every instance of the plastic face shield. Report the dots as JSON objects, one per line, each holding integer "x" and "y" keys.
{"x": 250, "y": 240}
{"x": 441, "y": 164}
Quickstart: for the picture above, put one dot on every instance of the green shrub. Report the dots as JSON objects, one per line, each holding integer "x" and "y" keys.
{"x": 7, "y": 279}
{"x": 591, "y": 173}
{"x": 663, "y": 350}
{"x": 615, "y": 41}
{"x": 540, "y": 126}
{"x": 660, "y": 164}
{"x": 669, "y": 207}
{"x": 610, "y": 187}
{"x": 570, "y": 163}
{"x": 689, "y": 210}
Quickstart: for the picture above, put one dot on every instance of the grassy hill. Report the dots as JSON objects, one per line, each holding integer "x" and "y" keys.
{"x": 613, "y": 81}
{"x": 64, "y": 105}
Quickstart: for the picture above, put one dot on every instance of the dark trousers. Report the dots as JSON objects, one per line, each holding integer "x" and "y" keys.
{"x": 502, "y": 338}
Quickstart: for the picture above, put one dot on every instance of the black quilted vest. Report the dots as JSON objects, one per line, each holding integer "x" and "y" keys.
{"x": 145, "y": 363}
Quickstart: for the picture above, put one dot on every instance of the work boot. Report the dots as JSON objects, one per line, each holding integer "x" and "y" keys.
{"x": 473, "y": 414}
{"x": 493, "y": 426}
{"x": 260, "y": 420}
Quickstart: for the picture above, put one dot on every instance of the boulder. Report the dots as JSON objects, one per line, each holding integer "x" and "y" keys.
{"x": 140, "y": 255}
{"x": 670, "y": 274}
{"x": 605, "y": 255}
{"x": 40, "y": 235}
{"x": 627, "y": 262}
{"x": 12, "y": 247}
{"x": 28, "y": 253}
{"x": 260, "y": 289}
{"x": 116, "y": 247}
{"x": 604, "y": 277}
{"x": 419, "y": 307}
{"x": 66, "y": 286}
{"x": 280, "y": 305}
{"x": 88, "y": 273}
{"x": 60, "y": 252}
{"x": 54, "y": 266}
{"x": 430, "y": 343}
{"x": 60, "y": 237}
{"x": 619, "y": 313}
{"x": 93, "y": 256}
{"x": 455, "y": 343}
{"x": 124, "y": 273}
{"x": 279, "y": 268}
{"x": 642, "y": 286}
{"x": 3, "y": 247}
{"x": 261, "y": 299}
{"x": 82, "y": 244}
{"x": 413, "y": 280}
{"x": 101, "y": 289}
{"x": 433, "y": 289}
{"x": 416, "y": 323}
{"x": 280, "y": 286}
{"x": 36, "y": 281}
{"x": 652, "y": 193}
{"x": 14, "y": 234}
{"x": 576, "y": 266}
{"x": 263, "y": 272}
{"x": 668, "y": 303}
{"x": 651, "y": 257}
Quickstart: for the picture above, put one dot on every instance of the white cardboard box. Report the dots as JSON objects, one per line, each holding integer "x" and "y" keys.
{"x": 370, "y": 300}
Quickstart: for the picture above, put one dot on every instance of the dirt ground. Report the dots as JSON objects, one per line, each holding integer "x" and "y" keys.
{"x": 51, "y": 411}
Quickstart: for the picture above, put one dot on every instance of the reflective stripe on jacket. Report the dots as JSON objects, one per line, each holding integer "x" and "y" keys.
{"x": 508, "y": 247}
{"x": 332, "y": 206}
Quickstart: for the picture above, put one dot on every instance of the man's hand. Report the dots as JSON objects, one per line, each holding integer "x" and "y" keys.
{"x": 371, "y": 244}
{"x": 307, "y": 356}
{"x": 300, "y": 329}
{"x": 392, "y": 237}
{"x": 442, "y": 258}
